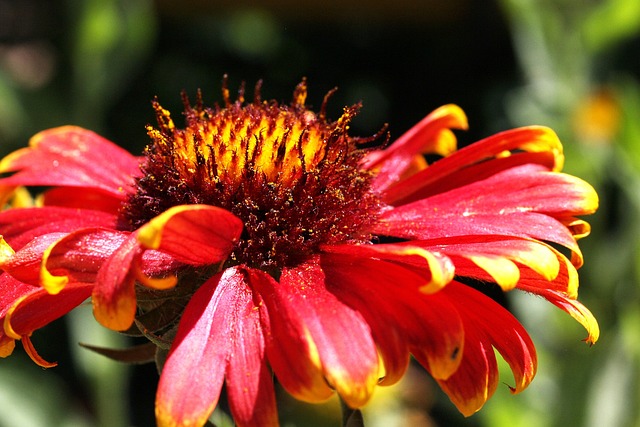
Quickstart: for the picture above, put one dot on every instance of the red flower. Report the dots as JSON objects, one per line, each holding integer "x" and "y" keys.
{"x": 267, "y": 239}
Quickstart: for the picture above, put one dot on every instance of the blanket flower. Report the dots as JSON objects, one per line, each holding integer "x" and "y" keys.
{"x": 263, "y": 239}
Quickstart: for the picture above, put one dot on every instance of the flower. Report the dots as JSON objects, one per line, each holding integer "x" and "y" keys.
{"x": 263, "y": 238}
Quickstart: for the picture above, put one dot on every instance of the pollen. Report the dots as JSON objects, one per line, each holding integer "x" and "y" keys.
{"x": 290, "y": 174}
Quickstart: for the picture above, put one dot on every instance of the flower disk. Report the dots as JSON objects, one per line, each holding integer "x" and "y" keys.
{"x": 291, "y": 175}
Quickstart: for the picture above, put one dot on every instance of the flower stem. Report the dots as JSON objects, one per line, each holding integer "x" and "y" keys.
{"x": 351, "y": 417}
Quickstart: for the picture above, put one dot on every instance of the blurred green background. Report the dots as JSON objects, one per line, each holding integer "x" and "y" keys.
{"x": 571, "y": 64}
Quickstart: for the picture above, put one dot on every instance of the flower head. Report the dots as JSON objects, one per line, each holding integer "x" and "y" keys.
{"x": 263, "y": 238}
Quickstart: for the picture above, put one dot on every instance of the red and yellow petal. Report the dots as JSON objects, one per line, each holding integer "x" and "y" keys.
{"x": 346, "y": 350}
{"x": 36, "y": 308}
{"x": 11, "y": 290}
{"x": 480, "y": 160}
{"x": 574, "y": 308}
{"x": 7, "y": 345}
{"x": 431, "y": 135}
{"x": 78, "y": 256}
{"x": 510, "y": 339}
{"x": 33, "y": 354}
{"x": 438, "y": 268}
{"x": 400, "y": 316}
{"x": 114, "y": 297}
{"x": 12, "y": 197}
{"x": 501, "y": 257}
{"x": 215, "y": 337}
{"x": 193, "y": 234}
{"x": 75, "y": 157}
{"x": 519, "y": 202}
{"x": 359, "y": 292}
{"x": 6, "y": 251}
{"x": 20, "y": 226}
{"x": 292, "y": 353}
{"x": 25, "y": 265}
{"x": 477, "y": 377}
{"x": 249, "y": 381}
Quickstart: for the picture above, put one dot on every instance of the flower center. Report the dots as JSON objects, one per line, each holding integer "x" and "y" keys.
{"x": 291, "y": 175}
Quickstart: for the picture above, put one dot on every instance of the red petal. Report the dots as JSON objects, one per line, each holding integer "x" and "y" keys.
{"x": 72, "y": 198}
{"x": 437, "y": 269}
{"x": 487, "y": 324}
{"x": 249, "y": 381}
{"x": 10, "y": 291}
{"x": 19, "y": 226}
{"x": 574, "y": 308}
{"x": 72, "y": 156}
{"x": 519, "y": 202}
{"x": 291, "y": 353}
{"x": 193, "y": 234}
{"x": 388, "y": 297}
{"x": 192, "y": 376}
{"x": 25, "y": 264}
{"x": 392, "y": 162}
{"x": 39, "y": 308}
{"x": 114, "y": 297}
{"x": 79, "y": 256}
{"x": 533, "y": 144}
{"x": 342, "y": 338}
{"x": 476, "y": 379}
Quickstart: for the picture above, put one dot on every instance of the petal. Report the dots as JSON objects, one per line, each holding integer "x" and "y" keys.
{"x": 25, "y": 264}
{"x": 248, "y": 379}
{"x": 114, "y": 297}
{"x": 72, "y": 156}
{"x": 565, "y": 282}
{"x": 33, "y": 354}
{"x": 438, "y": 269}
{"x": 78, "y": 256}
{"x": 510, "y": 339}
{"x": 423, "y": 185}
{"x": 193, "y": 234}
{"x": 19, "y": 226}
{"x": 500, "y": 256}
{"x": 291, "y": 352}
{"x": 389, "y": 297}
{"x": 11, "y": 290}
{"x": 476, "y": 379}
{"x": 70, "y": 197}
{"x": 346, "y": 350}
{"x": 520, "y": 202}
{"x": 574, "y": 308}
{"x": 388, "y": 331}
{"x": 15, "y": 197}
{"x": 487, "y": 325}
{"x": 578, "y": 227}
{"x": 391, "y": 163}
{"x": 7, "y": 345}
{"x": 532, "y": 144}
{"x": 37, "y": 308}
{"x": 6, "y": 251}
{"x": 192, "y": 376}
